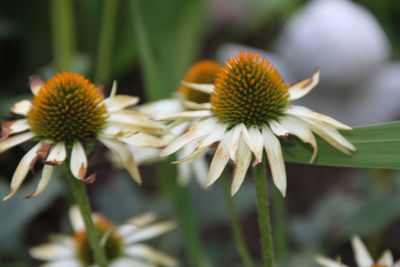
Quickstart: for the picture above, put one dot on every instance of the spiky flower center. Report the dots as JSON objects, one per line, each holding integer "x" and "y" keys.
{"x": 112, "y": 247}
{"x": 67, "y": 108}
{"x": 249, "y": 90}
{"x": 204, "y": 71}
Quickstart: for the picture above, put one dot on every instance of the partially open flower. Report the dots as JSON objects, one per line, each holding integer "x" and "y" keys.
{"x": 250, "y": 107}
{"x": 123, "y": 245}
{"x": 362, "y": 256}
{"x": 67, "y": 113}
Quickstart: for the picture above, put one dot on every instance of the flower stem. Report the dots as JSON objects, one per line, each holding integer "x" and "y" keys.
{"x": 264, "y": 221}
{"x": 235, "y": 225}
{"x": 280, "y": 222}
{"x": 81, "y": 199}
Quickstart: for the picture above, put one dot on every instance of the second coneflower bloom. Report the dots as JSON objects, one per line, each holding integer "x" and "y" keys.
{"x": 250, "y": 108}
{"x": 67, "y": 114}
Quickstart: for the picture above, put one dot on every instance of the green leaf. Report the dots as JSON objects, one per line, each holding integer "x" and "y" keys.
{"x": 378, "y": 146}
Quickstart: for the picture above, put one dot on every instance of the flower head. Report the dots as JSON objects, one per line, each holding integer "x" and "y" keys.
{"x": 123, "y": 245}
{"x": 67, "y": 113}
{"x": 362, "y": 257}
{"x": 250, "y": 107}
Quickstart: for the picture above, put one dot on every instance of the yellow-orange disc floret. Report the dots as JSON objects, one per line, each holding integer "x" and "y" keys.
{"x": 249, "y": 90}
{"x": 204, "y": 71}
{"x": 67, "y": 108}
{"x": 112, "y": 247}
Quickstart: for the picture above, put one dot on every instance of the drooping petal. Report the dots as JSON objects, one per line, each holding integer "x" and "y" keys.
{"x": 301, "y": 130}
{"x": 242, "y": 163}
{"x": 184, "y": 173}
{"x": 78, "y": 161}
{"x": 299, "y": 111}
{"x": 143, "y": 140}
{"x": 254, "y": 141}
{"x": 201, "y": 87}
{"x": 149, "y": 232}
{"x": 12, "y": 127}
{"x": 149, "y": 254}
{"x": 220, "y": 159}
{"x": 331, "y": 135}
{"x": 134, "y": 118}
{"x": 57, "y": 155}
{"x": 47, "y": 172}
{"x": 195, "y": 131}
{"x": 35, "y": 83}
{"x": 21, "y": 108}
{"x": 15, "y": 140}
{"x": 234, "y": 143}
{"x": 386, "y": 259}
{"x": 119, "y": 102}
{"x": 326, "y": 262}
{"x": 200, "y": 168}
{"x": 52, "y": 252}
{"x": 187, "y": 115}
{"x": 121, "y": 151}
{"x": 275, "y": 159}
{"x": 22, "y": 170}
{"x": 301, "y": 88}
{"x": 361, "y": 254}
{"x": 278, "y": 129}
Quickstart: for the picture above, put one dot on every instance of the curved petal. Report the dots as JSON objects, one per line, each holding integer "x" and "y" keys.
{"x": 22, "y": 170}
{"x": 15, "y": 140}
{"x": 12, "y": 127}
{"x": 149, "y": 232}
{"x": 52, "y": 252}
{"x": 121, "y": 151}
{"x": 78, "y": 161}
{"x": 143, "y": 140}
{"x": 301, "y": 112}
{"x": 275, "y": 158}
{"x": 147, "y": 253}
{"x": 128, "y": 117}
{"x": 21, "y": 108}
{"x": 196, "y": 106}
{"x": 161, "y": 108}
{"x": 119, "y": 102}
{"x": 47, "y": 172}
{"x": 201, "y": 87}
{"x": 254, "y": 141}
{"x": 386, "y": 259}
{"x": 35, "y": 83}
{"x": 301, "y": 88}
{"x": 57, "y": 155}
{"x": 234, "y": 143}
{"x": 278, "y": 129}
{"x": 242, "y": 163}
{"x": 361, "y": 254}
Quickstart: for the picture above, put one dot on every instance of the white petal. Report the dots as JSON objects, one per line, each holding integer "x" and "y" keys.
{"x": 254, "y": 141}
{"x": 15, "y": 140}
{"x": 301, "y": 112}
{"x": 76, "y": 219}
{"x": 149, "y": 232}
{"x": 184, "y": 173}
{"x": 301, "y": 88}
{"x": 301, "y": 130}
{"x": 119, "y": 102}
{"x": 21, "y": 108}
{"x": 12, "y": 127}
{"x": 220, "y": 159}
{"x": 162, "y": 108}
{"x": 200, "y": 168}
{"x": 331, "y": 135}
{"x": 386, "y": 259}
{"x": 47, "y": 173}
{"x": 201, "y": 87}
{"x": 278, "y": 129}
{"x": 143, "y": 219}
{"x": 361, "y": 254}
{"x": 147, "y": 253}
{"x": 128, "y": 262}
{"x": 51, "y": 252}
{"x": 143, "y": 140}
{"x": 326, "y": 262}
{"x": 233, "y": 146}
{"x": 195, "y": 106}
{"x": 35, "y": 83}
{"x": 187, "y": 115}
{"x": 22, "y": 170}
{"x": 78, "y": 161}
{"x": 242, "y": 163}
{"x": 57, "y": 155}
{"x": 63, "y": 263}
{"x": 195, "y": 131}
{"x": 275, "y": 159}
{"x": 121, "y": 151}
{"x": 128, "y": 117}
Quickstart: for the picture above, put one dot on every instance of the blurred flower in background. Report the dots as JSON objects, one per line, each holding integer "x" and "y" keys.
{"x": 122, "y": 244}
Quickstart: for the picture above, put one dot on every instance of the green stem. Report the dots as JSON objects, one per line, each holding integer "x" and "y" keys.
{"x": 186, "y": 217}
{"x": 106, "y": 40}
{"x": 235, "y": 225}
{"x": 63, "y": 34}
{"x": 80, "y": 197}
{"x": 280, "y": 232}
{"x": 264, "y": 221}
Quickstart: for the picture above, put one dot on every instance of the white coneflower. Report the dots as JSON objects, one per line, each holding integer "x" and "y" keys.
{"x": 251, "y": 106}
{"x": 66, "y": 113}
{"x": 123, "y": 244}
{"x": 362, "y": 257}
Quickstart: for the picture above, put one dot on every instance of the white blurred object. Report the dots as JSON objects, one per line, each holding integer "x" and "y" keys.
{"x": 342, "y": 38}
